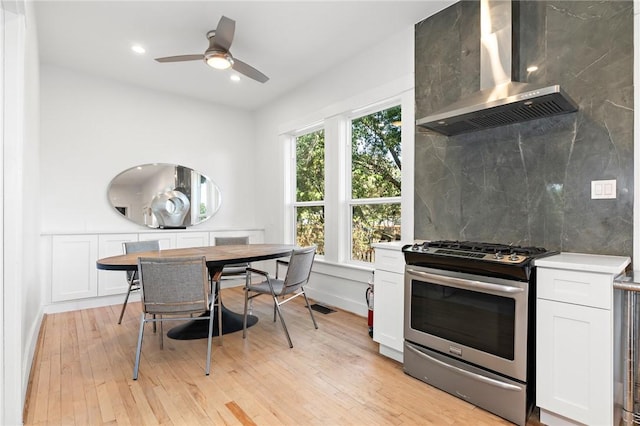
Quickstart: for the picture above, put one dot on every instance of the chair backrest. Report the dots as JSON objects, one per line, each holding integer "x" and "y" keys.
{"x": 228, "y": 241}
{"x": 299, "y": 268}
{"x": 138, "y": 247}
{"x": 233, "y": 268}
{"x": 173, "y": 284}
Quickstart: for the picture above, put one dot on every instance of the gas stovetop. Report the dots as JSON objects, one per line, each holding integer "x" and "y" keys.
{"x": 491, "y": 259}
{"x": 490, "y": 252}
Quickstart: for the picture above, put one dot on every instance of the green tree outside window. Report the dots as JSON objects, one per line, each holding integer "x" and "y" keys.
{"x": 376, "y": 169}
{"x": 310, "y": 188}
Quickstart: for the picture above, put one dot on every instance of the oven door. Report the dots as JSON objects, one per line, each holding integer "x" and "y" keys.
{"x": 473, "y": 318}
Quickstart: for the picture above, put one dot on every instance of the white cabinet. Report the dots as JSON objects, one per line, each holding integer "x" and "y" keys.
{"x": 388, "y": 300}
{"x": 192, "y": 239}
{"x": 75, "y": 277}
{"x": 112, "y": 282}
{"x": 73, "y": 267}
{"x": 574, "y": 377}
{"x": 575, "y": 338}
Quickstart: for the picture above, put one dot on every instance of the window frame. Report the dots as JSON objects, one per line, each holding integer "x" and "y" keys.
{"x": 293, "y": 183}
{"x": 349, "y": 202}
{"x": 334, "y": 119}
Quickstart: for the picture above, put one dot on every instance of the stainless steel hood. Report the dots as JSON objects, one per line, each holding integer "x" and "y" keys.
{"x": 501, "y": 101}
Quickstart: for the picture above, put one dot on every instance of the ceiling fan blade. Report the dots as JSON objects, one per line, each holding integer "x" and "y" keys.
{"x": 249, "y": 71}
{"x": 224, "y": 33}
{"x": 181, "y": 58}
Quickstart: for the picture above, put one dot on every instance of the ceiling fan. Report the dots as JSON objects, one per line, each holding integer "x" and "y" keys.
{"x": 218, "y": 55}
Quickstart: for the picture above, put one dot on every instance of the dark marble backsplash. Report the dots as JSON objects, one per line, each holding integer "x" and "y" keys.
{"x": 530, "y": 183}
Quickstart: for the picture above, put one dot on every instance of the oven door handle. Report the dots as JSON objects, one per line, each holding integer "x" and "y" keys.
{"x": 474, "y": 376}
{"x": 467, "y": 284}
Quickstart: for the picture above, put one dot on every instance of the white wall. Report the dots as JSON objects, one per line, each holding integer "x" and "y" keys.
{"x": 355, "y": 83}
{"x": 93, "y": 129}
{"x": 32, "y": 294}
{"x": 19, "y": 127}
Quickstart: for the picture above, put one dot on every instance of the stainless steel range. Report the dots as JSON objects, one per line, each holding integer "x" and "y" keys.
{"x": 469, "y": 322}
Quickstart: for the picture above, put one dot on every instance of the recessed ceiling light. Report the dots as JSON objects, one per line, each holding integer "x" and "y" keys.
{"x": 532, "y": 68}
{"x": 235, "y": 77}
{"x": 138, "y": 49}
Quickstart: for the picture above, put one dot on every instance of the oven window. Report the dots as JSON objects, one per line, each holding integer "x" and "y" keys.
{"x": 479, "y": 320}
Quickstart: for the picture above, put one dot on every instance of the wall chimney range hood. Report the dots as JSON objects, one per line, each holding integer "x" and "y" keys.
{"x": 502, "y": 100}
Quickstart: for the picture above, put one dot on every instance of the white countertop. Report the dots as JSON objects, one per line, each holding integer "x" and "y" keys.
{"x": 391, "y": 245}
{"x": 585, "y": 262}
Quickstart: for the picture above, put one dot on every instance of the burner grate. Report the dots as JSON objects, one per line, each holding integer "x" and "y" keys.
{"x": 485, "y": 259}
{"x": 479, "y": 247}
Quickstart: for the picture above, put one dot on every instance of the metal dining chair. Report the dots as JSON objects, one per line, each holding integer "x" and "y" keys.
{"x": 236, "y": 269}
{"x": 132, "y": 276}
{"x": 292, "y": 286}
{"x": 173, "y": 289}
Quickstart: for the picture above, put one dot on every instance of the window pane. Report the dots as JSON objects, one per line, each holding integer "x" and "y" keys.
{"x": 310, "y": 166}
{"x": 373, "y": 223}
{"x": 310, "y": 227}
{"x": 376, "y": 154}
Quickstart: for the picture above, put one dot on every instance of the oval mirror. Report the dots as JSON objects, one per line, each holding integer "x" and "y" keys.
{"x": 164, "y": 196}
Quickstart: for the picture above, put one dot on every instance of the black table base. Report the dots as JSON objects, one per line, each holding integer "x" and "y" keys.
{"x": 231, "y": 322}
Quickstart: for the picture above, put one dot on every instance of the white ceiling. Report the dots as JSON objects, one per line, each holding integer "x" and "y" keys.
{"x": 289, "y": 41}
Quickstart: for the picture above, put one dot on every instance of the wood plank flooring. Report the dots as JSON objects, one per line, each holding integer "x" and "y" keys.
{"x": 332, "y": 376}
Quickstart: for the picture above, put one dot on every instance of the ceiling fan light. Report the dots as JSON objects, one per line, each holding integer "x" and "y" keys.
{"x": 220, "y": 61}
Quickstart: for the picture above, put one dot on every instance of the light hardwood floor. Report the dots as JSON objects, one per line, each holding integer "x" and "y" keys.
{"x": 333, "y": 376}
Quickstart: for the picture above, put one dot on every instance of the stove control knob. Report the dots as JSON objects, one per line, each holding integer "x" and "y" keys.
{"x": 514, "y": 256}
{"x": 498, "y": 255}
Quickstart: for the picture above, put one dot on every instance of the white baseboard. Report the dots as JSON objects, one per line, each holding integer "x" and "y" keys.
{"x": 27, "y": 362}
{"x": 93, "y": 302}
{"x": 356, "y": 307}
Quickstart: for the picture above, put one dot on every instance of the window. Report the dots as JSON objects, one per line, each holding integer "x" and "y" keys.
{"x": 376, "y": 163}
{"x": 309, "y": 190}
{"x": 346, "y": 179}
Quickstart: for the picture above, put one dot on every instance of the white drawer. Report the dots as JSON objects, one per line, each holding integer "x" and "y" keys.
{"x": 389, "y": 260}
{"x": 581, "y": 288}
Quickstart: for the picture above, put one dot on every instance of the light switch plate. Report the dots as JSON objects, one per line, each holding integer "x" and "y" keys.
{"x": 603, "y": 189}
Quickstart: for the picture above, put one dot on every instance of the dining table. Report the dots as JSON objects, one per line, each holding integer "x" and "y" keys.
{"x": 216, "y": 258}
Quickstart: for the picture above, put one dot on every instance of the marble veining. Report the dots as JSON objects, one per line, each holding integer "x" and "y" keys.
{"x": 529, "y": 183}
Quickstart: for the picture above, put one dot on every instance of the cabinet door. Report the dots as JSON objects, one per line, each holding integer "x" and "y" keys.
{"x": 112, "y": 282}
{"x": 388, "y": 309}
{"x": 574, "y": 370}
{"x": 73, "y": 267}
{"x": 192, "y": 239}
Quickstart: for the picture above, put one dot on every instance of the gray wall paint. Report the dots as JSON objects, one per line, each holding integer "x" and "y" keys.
{"x": 530, "y": 183}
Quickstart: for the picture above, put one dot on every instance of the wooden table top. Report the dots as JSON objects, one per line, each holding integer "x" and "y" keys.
{"x": 216, "y": 256}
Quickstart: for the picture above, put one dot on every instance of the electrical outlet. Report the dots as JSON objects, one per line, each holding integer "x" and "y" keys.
{"x": 603, "y": 189}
